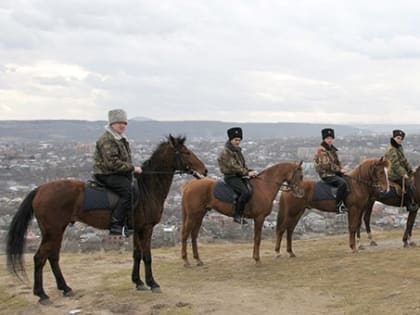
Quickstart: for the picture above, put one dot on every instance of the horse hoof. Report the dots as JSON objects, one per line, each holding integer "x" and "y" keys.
{"x": 412, "y": 244}
{"x": 141, "y": 287}
{"x": 292, "y": 255}
{"x": 362, "y": 247}
{"x": 200, "y": 263}
{"x": 68, "y": 293}
{"x": 373, "y": 243}
{"x": 45, "y": 301}
{"x": 156, "y": 290}
{"x": 187, "y": 265}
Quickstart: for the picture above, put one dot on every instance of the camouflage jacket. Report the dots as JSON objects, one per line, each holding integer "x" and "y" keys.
{"x": 112, "y": 154}
{"x": 232, "y": 162}
{"x": 326, "y": 161}
{"x": 399, "y": 164}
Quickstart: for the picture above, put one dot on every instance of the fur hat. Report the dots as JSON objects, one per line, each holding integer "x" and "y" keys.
{"x": 235, "y": 132}
{"x": 117, "y": 116}
{"x": 327, "y": 132}
{"x": 397, "y": 132}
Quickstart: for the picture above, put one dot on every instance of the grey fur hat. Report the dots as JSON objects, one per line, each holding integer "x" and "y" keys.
{"x": 117, "y": 115}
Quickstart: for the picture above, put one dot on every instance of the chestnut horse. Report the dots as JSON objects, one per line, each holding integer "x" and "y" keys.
{"x": 396, "y": 202}
{"x": 198, "y": 198}
{"x": 364, "y": 181}
{"x": 58, "y": 203}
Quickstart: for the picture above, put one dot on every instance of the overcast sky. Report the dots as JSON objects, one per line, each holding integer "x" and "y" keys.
{"x": 245, "y": 61}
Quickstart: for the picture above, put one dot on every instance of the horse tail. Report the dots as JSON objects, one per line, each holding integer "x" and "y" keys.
{"x": 16, "y": 234}
{"x": 281, "y": 214}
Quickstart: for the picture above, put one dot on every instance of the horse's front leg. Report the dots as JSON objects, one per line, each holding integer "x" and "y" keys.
{"x": 408, "y": 230}
{"x": 147, "y": 259}
{"x": 137, "y": 256}
{"x": 258, "y": 223}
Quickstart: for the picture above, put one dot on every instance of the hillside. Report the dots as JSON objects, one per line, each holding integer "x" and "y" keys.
{"x": 325, "y": 278}
{"x": 78, "y": 130}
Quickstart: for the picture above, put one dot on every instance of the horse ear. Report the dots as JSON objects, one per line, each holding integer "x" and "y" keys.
{"x": 172, "y": 140}
{"x": 300, "y": 163}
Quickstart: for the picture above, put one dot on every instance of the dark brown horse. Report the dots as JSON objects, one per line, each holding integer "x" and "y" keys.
{"x": 57, "y": 204}
{"x": 364, "y": 180}
{"x": 198, "y": 198}
{"x": 396, "y": 202}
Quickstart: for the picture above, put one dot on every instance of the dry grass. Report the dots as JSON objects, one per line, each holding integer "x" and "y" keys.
{"x": 325, "y": 278}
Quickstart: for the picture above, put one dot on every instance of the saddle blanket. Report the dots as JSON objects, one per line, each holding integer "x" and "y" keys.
{"x": 323, "y": 191}
{"x": 224, "y": 192}
{"x": 98, "y": 198}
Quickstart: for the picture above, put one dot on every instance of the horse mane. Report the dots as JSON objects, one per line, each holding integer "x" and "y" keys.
{"x": 157, "y": 175}
{"x": 364, "y": 169}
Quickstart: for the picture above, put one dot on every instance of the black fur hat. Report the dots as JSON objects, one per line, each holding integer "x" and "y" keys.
{"x": 327, "y": 132}
{"x": 235, "y": 132}
{"x": 397, "y": 132}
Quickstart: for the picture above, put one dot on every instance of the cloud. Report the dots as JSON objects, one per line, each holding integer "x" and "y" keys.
{"x": 269, "y": 60}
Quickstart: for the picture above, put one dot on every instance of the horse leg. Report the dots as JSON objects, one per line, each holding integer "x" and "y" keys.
{"x": 147, "y": 259}
{"x": 54, "y": 258}
{"x": 194, "y": 235}
{"x": 258, "y": 223}
{"x": 40, "y": 258}
{"x": 408, "y": 230}
{"x": 186, "y": 231}
{"x": 279, "y": 236}
{"x": 137, "y": 256}
{"x": 290, "y": 230}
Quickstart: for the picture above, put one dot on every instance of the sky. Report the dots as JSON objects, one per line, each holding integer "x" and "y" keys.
{"x": 315, "y": 61}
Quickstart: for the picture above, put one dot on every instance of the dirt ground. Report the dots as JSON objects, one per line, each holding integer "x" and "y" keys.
{"x": 324, "y": 278}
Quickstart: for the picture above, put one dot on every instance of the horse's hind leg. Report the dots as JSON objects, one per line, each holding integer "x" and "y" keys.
{"x": 40, "y": 259}
{"x": 194, "y": 235}
{"x": 135, "y": 273}
{"x": 54, "y": 258}
{"x": 408, "y": 230}
{"x": 279, "y": 237}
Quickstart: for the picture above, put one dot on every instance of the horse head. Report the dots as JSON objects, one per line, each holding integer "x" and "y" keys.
{"x": 185, "y": 161}
{"x": 294, "y": 180}
{"x": 374, "y": 172}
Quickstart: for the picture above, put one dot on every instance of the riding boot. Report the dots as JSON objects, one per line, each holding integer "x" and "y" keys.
{"x": 237, "y": 216}
{"x": 341, "y": 208}
{"x": 117, "y": 221}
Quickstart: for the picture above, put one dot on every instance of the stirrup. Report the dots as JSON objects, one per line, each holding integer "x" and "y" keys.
{"x": 341, "y": 208}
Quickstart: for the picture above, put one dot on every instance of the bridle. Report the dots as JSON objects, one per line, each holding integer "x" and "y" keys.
{"x": 181, "y": 167}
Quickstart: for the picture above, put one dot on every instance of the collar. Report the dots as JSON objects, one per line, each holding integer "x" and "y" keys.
{"x": 395, "y": 144}
{"x": 115, "y": 134}
{"x": 328, "y": 147}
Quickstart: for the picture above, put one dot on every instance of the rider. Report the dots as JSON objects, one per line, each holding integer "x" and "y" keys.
{"x": 236, "y": 173}
{"x": 400, "y": 167}
{"x": 112, "y": 165}
{"x": 328, "y": 166}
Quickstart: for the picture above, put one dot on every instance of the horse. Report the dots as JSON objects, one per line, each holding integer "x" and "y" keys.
{"x": 369, "y": 176}
{"x": 58, "y": 203}
{"x": 395, "y": 201}
{"x": 198, "y": 198}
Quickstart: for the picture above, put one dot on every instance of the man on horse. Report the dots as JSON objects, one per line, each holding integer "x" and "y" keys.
{"x": 236, "y": 173}
{"x": 113, "y": 166}
{"x": 328, "y": 167}
{"x": 400, "y": 170}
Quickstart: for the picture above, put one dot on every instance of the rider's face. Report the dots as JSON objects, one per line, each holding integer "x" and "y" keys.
{"x": 329, "y": 140}
{"x": 236, "y": 142}
{"x": 119, "y": 127}
{"x": 398, "y": 139}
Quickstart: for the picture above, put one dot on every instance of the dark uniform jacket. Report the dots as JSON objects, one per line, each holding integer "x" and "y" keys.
{"x": 326, "y": 161}
{"x": 232, "y": 162}
{"x": 112, "y": 154}
{"x": 399, "y": 164}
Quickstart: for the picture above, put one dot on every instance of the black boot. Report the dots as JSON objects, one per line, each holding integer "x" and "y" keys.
{"x": 117, "y": 221}
{"x": 237, "y": 216}
{"x": 341, "y": 208}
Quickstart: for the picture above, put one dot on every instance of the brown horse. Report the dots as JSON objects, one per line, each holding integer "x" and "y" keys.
{"x": 364, "y": 182}
{"x": 58, "y": 203}
{"x": 198, "y": 198}
{"x": 396, "y": 202}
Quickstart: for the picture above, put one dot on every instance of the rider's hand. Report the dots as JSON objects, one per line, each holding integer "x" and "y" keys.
{"x": 137, "y": 169}
{"x": 252, "y": 173}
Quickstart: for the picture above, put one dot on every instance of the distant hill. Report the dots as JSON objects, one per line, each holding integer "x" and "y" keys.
{"x": 144, "y": 130}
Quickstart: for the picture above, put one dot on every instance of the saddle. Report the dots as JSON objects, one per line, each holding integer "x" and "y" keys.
{"x": 323, "y": 191}
{"x": 225, "y": 193}
{"x": 98, "y": 197}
